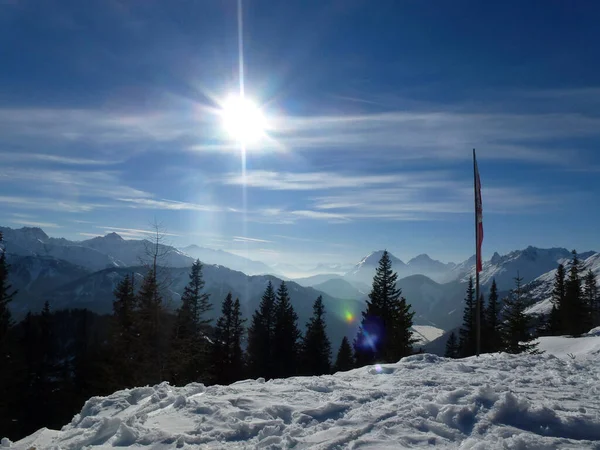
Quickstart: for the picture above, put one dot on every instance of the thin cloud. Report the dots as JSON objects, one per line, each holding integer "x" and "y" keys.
{"x": 290, "y": 181}
{"x": 49, "y": 158}
{"x": 33, "y": 223}
{"x": 110, "y": 229}
{"x": 400, "y": 135}
{"x": 48, "y": 204}
{"x": 149, "y": 203}
{"x": 248, "y": 239}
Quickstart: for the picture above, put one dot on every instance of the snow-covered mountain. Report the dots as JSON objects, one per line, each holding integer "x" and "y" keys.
{"x": 540, "y": 289}
{"x": 529, "y": 263}
{"x": 496, "y": 401}
{"x": 132, "y": 252}
{"x": 223, "y": 258}
{"x": 364, "y": 270}
{"x": 32, "y": 241}
{"x": 32, "y": 276}
{"x": 422, "y": 264}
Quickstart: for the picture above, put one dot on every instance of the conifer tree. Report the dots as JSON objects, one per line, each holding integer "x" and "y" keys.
{"x": 125, "y": 331}
{"x": 452, "y": 347}
{"x": 261, "y": 336}
{"x": 227, "y": 353}
{"x": 574, "y": 311}
{"x": 345, "y": 359}
{"x": 189, "y": 344}
{"x": 6, "y": 296}
{"x": 557, "y": 322}
{"x": 491, "y": 341}
{"x": 151, "y": 331}
{"x": 591, "y": 300}
{"x": 385, "y": 333}
{"x": 238, "y": 360}
{"x": 468, "y": 339}
{"x": 286, "y": 345}
{"x": 316, "y": 348}
{"x": 516, "y": 337}
{"x": 7, "y": 368}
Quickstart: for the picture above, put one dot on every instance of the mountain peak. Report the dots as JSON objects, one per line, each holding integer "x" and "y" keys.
{"x": 113, "y": 237}
{"x": 422, "y": 258}
{"x": 372, "y": 259}
{"x": 35, "y": 232}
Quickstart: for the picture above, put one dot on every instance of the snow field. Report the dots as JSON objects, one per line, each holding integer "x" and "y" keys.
{"x": 496, "y": 401}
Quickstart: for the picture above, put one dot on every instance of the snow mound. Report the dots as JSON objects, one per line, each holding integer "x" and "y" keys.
{"x": 494, "y": 401}
{"x": 586, "y": 346}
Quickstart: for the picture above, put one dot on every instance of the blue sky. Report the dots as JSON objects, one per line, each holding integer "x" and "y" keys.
{"x": 109, "y": 120}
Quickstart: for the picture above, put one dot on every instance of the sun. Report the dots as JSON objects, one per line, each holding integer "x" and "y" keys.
{"x": 243, "y": 120}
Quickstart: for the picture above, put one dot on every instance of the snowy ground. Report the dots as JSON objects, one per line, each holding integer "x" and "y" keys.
{"x": 539, "y": 402}
{"x": 426, "y": 333}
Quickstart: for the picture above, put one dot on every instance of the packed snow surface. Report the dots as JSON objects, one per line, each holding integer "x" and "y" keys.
{"x": 491, "y": 402}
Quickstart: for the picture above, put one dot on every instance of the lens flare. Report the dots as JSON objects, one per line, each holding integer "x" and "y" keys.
{"x": 349, "y": 317}
{"x": 378, "y": 368}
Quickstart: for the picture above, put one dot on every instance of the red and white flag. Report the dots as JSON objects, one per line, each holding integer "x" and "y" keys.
{"x": 478, "y": 214}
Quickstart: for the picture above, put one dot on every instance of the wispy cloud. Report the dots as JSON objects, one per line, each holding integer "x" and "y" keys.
{"x": 290, "y": 181}
{"x": 104, "y": 184}
{"x": 249, "y": 239}
{"x": 149, "y": 203}
{"x": 47, "y": 204}
{"x": 405, "y": 198}
{"x": 33, "y": 223}
{"x": 434, "y": 132}
{"x": 25, "y": 157}
{"x": 110, "y": 229}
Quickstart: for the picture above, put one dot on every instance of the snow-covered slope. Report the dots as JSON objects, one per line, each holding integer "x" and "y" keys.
{"x": 492, "y": 402}
{"x": 426, "y": 333}
{"x": 365, "y": 269}
{"x": 28, "y": 241}
{"x": 32, "y": 276}
{"x": 223, "y": 258}
{"x": 529, "y": 263}
{"x": 586, "y": 346}
{"x": 132, "y": 251}
{"x": 540, "y": 289}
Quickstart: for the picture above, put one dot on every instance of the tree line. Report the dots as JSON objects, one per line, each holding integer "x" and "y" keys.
{"x": 53, "y": 361}
{"x": 506, "y": 328}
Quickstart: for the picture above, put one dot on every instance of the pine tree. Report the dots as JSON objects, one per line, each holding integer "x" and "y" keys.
{"x": 468, "y": 339}
{"x": 516, "y": 337}
{"x": 189, "y": 345}
{"x": 286, "y": 345}
{"x": 316, "y": 348}
{"x": 557, "y": 322}
{"x": 591, "y": 300}
{"x": 151, "y": 340}
{"x": 452, "y": 347}
{"x": 574, "y": 311}
{"x": 125, "y": 331}
{"x": 6, "y": 296}
{"x": 491, "y": 341}
{"x": 261, "y": 336}
{"x": 385, "y": 333}
{"x": 238, "y": 363}
{"x": 227, "y": 353}
{"x": 345, "y": 359}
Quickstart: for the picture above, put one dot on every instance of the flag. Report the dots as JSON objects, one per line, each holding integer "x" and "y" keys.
{"x": 478, "y": 215}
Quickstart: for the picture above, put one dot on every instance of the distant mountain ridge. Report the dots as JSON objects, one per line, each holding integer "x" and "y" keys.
{"x": 223, "y": 258}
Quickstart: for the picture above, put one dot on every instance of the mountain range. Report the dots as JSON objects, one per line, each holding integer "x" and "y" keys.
{"x": 84, "y": 273}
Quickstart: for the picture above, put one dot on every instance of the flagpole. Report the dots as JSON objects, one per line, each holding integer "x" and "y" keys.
{"x": 477, "y": 256}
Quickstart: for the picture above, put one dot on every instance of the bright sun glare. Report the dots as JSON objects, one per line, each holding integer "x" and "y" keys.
{"x": 243, "y": 120}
